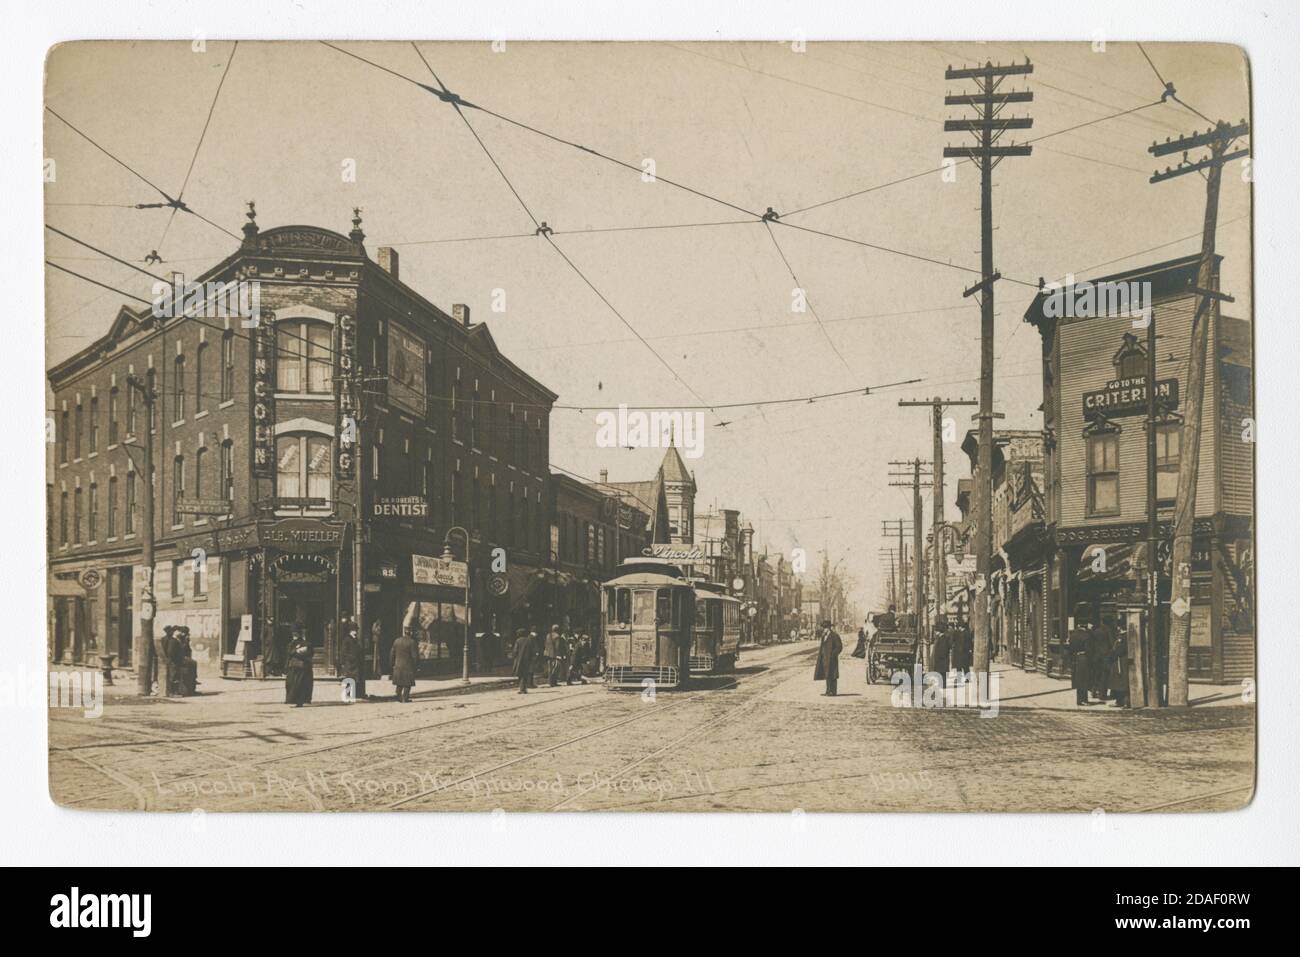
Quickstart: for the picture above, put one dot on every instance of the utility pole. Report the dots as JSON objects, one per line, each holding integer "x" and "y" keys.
{"x": 940, "y": 573}
{"x": 898, "y": 526}
{"x": 918, "y": 564}
{"x": 988, "y": 128}
{"x": 1219, "y": 139}
{"x": 144, "y": 652}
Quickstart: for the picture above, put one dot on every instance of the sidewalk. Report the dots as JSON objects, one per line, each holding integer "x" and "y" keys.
{"x": 1031, "y": 689}
{"x": 257, "y": 690}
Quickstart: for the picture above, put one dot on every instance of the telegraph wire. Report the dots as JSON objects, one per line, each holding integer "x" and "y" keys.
{"x": 816, "y": 397}
{"x": 198, "y": 146}
{"x": 457, "y": 101}
{"x": 545, "y": 233}
{"x": 825, "y": 335}
{"x": 173, "y": 203}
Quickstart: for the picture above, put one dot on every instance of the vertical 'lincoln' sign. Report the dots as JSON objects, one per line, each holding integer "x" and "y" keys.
{"x": 263, "y": 405}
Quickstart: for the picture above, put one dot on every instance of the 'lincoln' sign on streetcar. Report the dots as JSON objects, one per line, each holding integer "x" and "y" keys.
{"x": 676, "y": 553}
{"x": 1128, "y": 397}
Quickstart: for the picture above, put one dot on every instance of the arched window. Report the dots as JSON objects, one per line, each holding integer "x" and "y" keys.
{"x": 228, "y": 365}
{"x": 199, "y": 355}
{"x": 178, "y": 390}
{"x": 302, "y": 466}
{"x": 303, "y": 361}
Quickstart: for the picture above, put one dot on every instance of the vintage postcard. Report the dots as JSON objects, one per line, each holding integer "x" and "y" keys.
{"x": 678, "y": 426}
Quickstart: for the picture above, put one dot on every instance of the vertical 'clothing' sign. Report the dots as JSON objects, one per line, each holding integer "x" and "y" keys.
{"x": 262, "y": 408}
{"x": 346, "y": 345}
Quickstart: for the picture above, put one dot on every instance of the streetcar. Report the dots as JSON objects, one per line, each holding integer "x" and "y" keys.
{"x": 648, "y": 623}
{"x": 716, "y": 641}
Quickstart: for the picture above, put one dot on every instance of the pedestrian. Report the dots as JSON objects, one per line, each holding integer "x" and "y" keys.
{"x": 581, "y": 656}
{"x": 941, "y": 651}
{"x": 1100, "y": 639}
{"x": 297, "y": 669}
{"x": 351, "y": 662}
{"x": 525, "y": 649}
{"x": 175, "y": 658}
{"x": 963, "y": 651}
{"x": 860, "y": 649}
{"x": 551, "y": 651}
{"x": 402, "y": 659}
{"x": 828, "y": 659}
{"x": 185, "y": 671}
{"x": 163, "y": 664}
{"x": 1077, "y": 650}
{"x": 1117, "y": 664}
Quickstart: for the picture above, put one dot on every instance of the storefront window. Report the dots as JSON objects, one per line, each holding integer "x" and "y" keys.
{"x": 1103, "y": 474}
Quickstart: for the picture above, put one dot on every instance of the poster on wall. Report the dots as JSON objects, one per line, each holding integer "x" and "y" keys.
{"x": 406, "y": 361}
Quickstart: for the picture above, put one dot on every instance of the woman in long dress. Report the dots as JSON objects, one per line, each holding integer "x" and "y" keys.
{"x": 297, "y": 672}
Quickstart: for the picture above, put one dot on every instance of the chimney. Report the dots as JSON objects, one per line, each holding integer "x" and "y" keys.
{"x": 604, "y": 476}
{"x": 388, "y": 260}
{"x": 460, "y": 312}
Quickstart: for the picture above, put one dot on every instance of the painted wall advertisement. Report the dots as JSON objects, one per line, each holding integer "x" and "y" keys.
{"x": 406, "y": 364}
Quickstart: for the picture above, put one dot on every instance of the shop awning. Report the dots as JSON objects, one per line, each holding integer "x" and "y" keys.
{"x": 1110, "y": 562}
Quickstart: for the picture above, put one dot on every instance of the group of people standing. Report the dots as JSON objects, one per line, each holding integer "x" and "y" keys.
{"x": 1098, "y": 660}
{"x": 182, "y": 670}
{"x": 952, "y": 648}
{"x": 564, "y": 657}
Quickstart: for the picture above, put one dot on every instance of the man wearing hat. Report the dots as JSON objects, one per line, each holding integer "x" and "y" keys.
{"x": 828, "y": 659}
{"x": 524, "y": 653}
{"x": 167, "y": 674}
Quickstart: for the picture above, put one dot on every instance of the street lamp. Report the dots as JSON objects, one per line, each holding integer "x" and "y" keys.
{"x": 447, "y": 557}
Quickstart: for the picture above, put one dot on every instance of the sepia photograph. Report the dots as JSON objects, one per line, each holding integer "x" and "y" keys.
{"x": 677, "y": 435}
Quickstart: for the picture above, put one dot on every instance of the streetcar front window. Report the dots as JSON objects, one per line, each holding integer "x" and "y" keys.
{"x": 620, "y": 606}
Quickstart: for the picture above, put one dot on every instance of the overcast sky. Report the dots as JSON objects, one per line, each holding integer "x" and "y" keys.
{"x": 757, "y": 125}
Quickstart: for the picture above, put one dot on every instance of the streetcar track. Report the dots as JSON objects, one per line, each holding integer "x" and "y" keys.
{"x": 605, "y": 729}
{"x": 694, "y": 732}
{"x": 282, "y": 757}
{"x": 982, "y": 762}
{"x": 141, "y": 795}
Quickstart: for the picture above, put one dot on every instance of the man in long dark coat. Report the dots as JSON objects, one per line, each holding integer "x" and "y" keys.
{"x": 166, "y": 675}
{"x": 297, "y": 670}
{"x": 402, "y": 661}
{"x": 1077, "y": 650}
{"x": 351, "y": 661}
{"x": 185, "y": 670}
{"x": 1100, "y": 640}
{"x": 525, "y": 651}
{"x": 941, "y": 651}
{"x": 828, "y": 659}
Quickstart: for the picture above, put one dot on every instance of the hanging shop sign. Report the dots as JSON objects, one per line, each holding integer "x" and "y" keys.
{"x": 90, "y": 578}
{"x": 401, "y": 506}
{"x": 388, "y": 570}
{"x": 427, "y": 570}
{"x": 498, "y": 585}
{"x": 1123, "y": 397}
{"x": 262, "y": 406}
